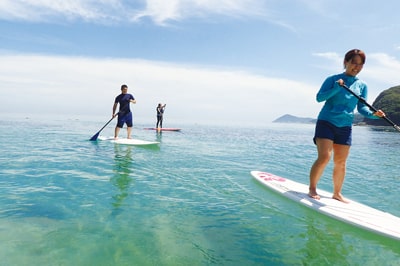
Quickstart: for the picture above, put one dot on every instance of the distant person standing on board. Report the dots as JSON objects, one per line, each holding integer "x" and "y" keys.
{"x": 124, "y": 114}
{"x": 333, "y": 130}
{"x": 160, "y": 113}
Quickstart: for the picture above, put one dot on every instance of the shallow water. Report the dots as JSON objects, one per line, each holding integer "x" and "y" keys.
{"x": 190, "y": 201}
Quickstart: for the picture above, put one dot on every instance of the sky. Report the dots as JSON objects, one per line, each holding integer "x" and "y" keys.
{"x": 226, "y": 62}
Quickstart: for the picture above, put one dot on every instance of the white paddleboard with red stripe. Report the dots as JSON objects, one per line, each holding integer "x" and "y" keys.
{"x": 353, "y": 212}
{"x": 135, "y": 142}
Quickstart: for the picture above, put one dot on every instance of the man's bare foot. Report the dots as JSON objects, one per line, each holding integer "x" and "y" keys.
{"x": 313, "y": 194}
{"x": 339, "y": 197}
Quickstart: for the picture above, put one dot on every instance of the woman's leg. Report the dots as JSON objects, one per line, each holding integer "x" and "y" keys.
{"x": 324, "y": 148}
{"x": 341, "y": 152}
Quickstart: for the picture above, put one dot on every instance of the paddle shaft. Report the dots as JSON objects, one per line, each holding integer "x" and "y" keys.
{"x": 361, "y": 99}
{"x": 97, "y": 134}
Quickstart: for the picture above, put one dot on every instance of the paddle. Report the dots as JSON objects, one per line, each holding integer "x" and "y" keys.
{"x": 95, "y": 136}
{"x": 361, "y": 99}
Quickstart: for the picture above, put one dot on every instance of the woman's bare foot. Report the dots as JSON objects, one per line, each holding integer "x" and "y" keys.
{"x": 339, "y": 197}
{"x": 313, "y": 194}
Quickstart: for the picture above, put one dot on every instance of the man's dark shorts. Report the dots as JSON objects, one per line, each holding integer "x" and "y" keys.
{"x": 126, "y": 118}
{"x": 339, "y": 135}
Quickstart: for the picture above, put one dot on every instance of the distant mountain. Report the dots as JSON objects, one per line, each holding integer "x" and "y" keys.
{"x": 294, "y": 119}
{"x": 358, "y": 119}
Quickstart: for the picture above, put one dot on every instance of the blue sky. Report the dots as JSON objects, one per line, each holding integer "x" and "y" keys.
{"x": 219, "y": 62}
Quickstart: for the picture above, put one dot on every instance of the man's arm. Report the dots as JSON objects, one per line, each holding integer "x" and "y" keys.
{"x": 114, "y": 109}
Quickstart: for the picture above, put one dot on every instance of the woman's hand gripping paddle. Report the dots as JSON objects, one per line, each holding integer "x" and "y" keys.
{"x": 361, "y": 99}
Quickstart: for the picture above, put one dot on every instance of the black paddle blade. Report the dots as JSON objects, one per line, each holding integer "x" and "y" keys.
{"x": 95, "y": 136}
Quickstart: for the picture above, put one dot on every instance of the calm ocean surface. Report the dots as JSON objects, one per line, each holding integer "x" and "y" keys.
{"x": 65, "y": 200}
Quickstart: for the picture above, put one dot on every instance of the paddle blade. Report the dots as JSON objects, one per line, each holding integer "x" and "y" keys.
{"x": 98, "y": 133}
{"x": 95, "y": 136}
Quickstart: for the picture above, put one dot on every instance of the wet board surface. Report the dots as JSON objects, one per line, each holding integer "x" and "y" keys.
{"x": 353, "y": 213}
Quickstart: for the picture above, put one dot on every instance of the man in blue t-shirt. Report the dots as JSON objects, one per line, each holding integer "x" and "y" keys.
{"x": 124, "y": 114}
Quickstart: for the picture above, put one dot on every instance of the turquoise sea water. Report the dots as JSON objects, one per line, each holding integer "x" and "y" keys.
{"x": 65, "y": 200}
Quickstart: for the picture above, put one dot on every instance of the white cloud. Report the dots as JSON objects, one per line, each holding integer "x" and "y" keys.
{"x": 51, "y": 10}
{"x": 162, "y": 11}
{"x": 108, "y": 11}
{"x": 383, "y": 69}
{"x": 200, "y": 94}
{"x": 74, "y": 85}
{"x": 331, "y": 56}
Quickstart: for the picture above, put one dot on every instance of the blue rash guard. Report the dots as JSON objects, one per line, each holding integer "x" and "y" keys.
{"x": 339, "y": 103}
{"x": 124, "y": 101}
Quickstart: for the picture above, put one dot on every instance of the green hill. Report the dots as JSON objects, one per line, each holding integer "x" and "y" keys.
{"x": 389, "y": 102}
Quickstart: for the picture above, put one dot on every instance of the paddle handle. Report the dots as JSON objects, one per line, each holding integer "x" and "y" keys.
{"x": 361, "y": 99}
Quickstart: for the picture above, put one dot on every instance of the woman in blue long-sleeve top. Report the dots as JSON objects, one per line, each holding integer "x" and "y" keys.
{"x": 333, "y": 128}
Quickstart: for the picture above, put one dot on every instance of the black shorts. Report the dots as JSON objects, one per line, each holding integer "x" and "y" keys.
{"x": 339, "y": 135}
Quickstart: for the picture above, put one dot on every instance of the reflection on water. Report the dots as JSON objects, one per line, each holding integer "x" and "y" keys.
{"x": 325, "y": 242}
{"x": 382, "y": 128}
{"x": 318, "y": 247}
{"x": 159, "y": 135}
{"x": 122, "y": 169}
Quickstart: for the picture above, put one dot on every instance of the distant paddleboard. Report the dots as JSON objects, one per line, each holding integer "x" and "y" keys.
{"x": 353, "y": 213}
{"x": 163, "y": 129}
{"x": 136, "y": 142}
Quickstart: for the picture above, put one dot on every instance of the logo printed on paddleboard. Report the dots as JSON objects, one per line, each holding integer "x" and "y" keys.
{"x": 271, "y": 177}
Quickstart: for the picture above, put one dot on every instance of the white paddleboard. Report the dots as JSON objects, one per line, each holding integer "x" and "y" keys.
{"x": 136, "y": 142}
{"x": 353, "y": 212}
